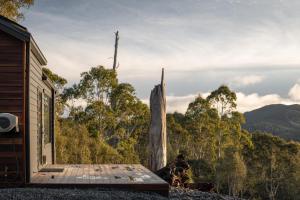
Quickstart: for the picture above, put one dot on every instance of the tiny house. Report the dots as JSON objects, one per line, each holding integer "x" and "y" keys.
{"x": 26, "y": 106}
{"x": 27, "y": 143}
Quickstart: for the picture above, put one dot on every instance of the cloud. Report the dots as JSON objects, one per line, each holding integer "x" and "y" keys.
{"x": 253, "y": 101}
{"x": 179, "y": 103}
{"x": 294, "y": 92}
{"x": 175, "y": 34}
{"x": 202, "y": 38}
{"x": 245, "y": 102}
{"x": 246, "y": 80}
{"x": 176, "y": 103}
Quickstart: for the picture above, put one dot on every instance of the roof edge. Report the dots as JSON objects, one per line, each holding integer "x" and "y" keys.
{"x": 20, "y": 32}
{"x": 21, "y": 35}
{"x": 37, "y": 52}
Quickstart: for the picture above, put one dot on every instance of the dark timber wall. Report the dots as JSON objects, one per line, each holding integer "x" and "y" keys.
{"x": 27, "y": 93}
{"x": 12, "y": 100}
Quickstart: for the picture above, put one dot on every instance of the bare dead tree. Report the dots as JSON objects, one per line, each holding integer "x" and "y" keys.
{"x": 116, "y": 50}
{"x": 158, "y": 130}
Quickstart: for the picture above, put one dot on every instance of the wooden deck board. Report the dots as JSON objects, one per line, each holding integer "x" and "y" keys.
{"x": 133, "y": 177}
{"x": 76, "y": 170}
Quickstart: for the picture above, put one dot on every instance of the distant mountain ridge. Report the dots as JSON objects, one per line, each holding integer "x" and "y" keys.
{"x": 280, "y": 120}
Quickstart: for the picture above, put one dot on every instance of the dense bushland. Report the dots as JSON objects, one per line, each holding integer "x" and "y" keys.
{"x": 110, "y": 125}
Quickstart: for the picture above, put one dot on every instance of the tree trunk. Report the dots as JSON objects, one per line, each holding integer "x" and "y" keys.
{"x": 116, "y": 50}
{"x": 158, "y": 129}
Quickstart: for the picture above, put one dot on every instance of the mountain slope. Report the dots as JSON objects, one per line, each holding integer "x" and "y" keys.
{"x": 278, "y": 119}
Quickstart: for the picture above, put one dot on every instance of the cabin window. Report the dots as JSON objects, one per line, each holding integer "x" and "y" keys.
{"x": 47, "y": 118}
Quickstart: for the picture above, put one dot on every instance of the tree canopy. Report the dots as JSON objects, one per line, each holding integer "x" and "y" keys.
{"x": 12, "y": 8}
{"x": 110, "y": 124}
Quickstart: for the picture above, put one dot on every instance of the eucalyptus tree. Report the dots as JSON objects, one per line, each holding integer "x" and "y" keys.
{"x": 97, "y": 84}
{"x": 129, "y": 111}
{"x": 99, "y": 119}
{"x": 224, "y": 101}
{"x": 273, "y": 167}
{"x": 230, "y": 141}
{"x": 69, "y": 97}
{"x": 131, "y": 122}
{"x": 232, "y": 173}
{"x": 178, "y": 138}
{"x": 94, "y": 89}
{"x": 59, "y": 83}
{"x": 238, "y": 137}
{"x": 201, "y": 120}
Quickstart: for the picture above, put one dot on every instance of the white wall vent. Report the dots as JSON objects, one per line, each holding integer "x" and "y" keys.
{"x": 8, "y": 122}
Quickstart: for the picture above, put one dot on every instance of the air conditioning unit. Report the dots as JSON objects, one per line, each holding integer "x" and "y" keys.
{"x": 8, "y": 123}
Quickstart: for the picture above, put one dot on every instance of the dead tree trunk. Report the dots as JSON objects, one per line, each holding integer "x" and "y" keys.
{"x": 158, "y": 129}
{"x": 116, "y": 50}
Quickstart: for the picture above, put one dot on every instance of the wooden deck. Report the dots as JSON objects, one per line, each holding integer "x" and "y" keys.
{"x": 131, "y": 177}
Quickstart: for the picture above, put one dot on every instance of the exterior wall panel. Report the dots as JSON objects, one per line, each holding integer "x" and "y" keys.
{"x": 36, "y": 84}
{"x": 12, "y": 100}
{"x": 21, "y": 78}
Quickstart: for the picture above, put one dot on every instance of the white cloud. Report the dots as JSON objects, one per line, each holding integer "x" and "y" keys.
{"x": 176, "y": 103}
{"x": 294, "y": 92}
{"x": 245, "y": 102}
{"x": 202, "y": 36}
{"x": 179, "y": 103}
{"x": 246, "y": 80}
{"x": 253, "y": 101}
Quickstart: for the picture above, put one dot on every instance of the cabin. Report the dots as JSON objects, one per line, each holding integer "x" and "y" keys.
{"x": 27, "y": 142}
{"x": 26, "y": 101}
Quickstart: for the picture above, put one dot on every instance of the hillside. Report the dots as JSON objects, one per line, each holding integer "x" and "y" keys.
{"x": 280, "y": 120}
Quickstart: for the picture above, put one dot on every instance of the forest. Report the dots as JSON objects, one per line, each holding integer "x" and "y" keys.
{"x": 110, "y": 125}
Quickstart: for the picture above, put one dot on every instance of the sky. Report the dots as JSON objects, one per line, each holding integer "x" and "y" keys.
{"x": 252, "y": 46}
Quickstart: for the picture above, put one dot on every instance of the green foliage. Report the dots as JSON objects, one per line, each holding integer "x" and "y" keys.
{"x": 97, "y": 84}
{"x": 59, "y": 82}
{"x": 201, "y": 121}
{"x": 12, "y": 8}
{"x": 273, "y": 167}
{"x": 103, "y": 153}
{"x": 177, "y": 137}
{"x": 256, "y": 166}
{"x": 74, "y": 145}
{"x": 127, "y": 150}
{"x": 115, "y": 118}
{"x": 211, "y": 135}
{"x": 223, "y": 99}
{"x": 112, "y": 127}
{"x": 69, "y": 139}
{"x": 232, "y": 172}
{"x": 98, "y": 118}
{"x": 202, "y": 170}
